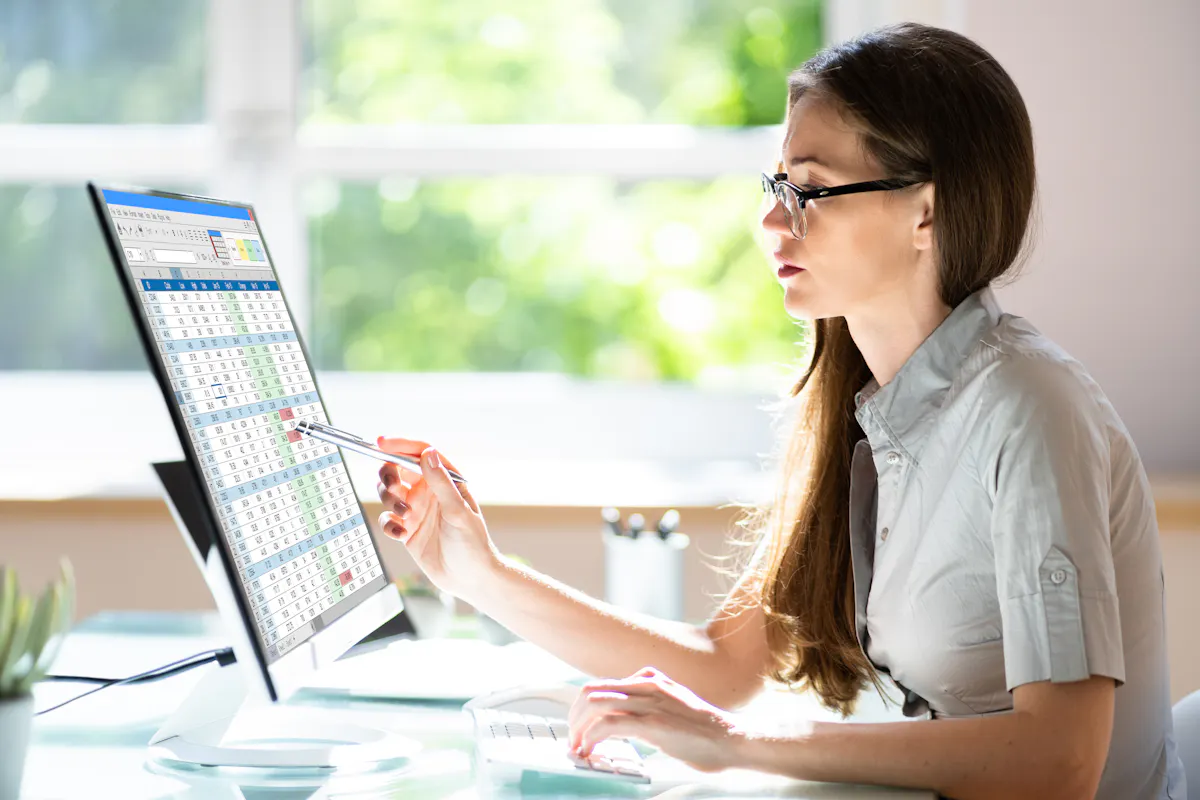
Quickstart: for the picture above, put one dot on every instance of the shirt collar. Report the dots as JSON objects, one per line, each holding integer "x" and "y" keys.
{"x": 897, "y": 409}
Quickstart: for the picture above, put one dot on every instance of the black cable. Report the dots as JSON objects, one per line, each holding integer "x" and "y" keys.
{"x": 158, "y": 673}
{"x": 224, "y": 657}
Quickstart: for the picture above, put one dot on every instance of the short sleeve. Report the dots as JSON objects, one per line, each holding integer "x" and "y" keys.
{"x": 1050, "y": 527}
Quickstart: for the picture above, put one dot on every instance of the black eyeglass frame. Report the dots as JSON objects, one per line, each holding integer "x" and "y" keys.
{"x": 770, "y": 185}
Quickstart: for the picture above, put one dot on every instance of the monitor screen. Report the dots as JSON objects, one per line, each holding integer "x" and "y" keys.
{"x": 209, "y": 298}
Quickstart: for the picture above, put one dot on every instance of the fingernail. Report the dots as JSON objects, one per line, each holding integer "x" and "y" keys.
{"x": 434, "y": 461}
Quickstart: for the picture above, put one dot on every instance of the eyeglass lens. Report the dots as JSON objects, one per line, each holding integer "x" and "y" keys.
{"x": 792, "y": 209}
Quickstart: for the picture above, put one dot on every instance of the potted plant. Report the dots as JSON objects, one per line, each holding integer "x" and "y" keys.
{"x": 29, "y": 642}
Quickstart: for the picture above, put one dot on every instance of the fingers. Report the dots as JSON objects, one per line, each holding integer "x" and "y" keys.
{"x": 395, "y": 497}
{"x": 640, "y": 692}
{"x": 391, "y": 473}
{"x": 619, "y": 724}
{"x": 596, "y": 705}
{"x": 466, "y": 495}
{"x": 411, "y": 528}
{"x": 392, "y": 527}
{"x": 454, "y": 503}
{"x": 401, "y": 447}
{"x": 408, "y": 447}
{"x": 636, "y": 684}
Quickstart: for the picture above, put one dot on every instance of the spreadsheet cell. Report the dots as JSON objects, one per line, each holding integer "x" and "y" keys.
{"x": 239, "y": 378}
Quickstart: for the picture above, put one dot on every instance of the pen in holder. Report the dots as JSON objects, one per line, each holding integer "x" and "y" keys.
{"x": 643, "y": 571}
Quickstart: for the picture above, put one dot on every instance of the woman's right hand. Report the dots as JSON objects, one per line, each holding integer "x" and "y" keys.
{"x": 436, "y": 519}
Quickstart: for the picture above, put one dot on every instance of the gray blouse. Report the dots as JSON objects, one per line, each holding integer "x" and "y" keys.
{"x": 1003, "y": 532}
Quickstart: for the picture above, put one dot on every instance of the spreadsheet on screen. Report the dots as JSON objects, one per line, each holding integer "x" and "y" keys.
{"x": 237, "y": 373}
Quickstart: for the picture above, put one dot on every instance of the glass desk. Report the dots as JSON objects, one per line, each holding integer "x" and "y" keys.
{"x": 96, "y": 747}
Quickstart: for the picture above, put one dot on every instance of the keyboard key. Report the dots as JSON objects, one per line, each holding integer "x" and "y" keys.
{"x": 601, "y": 764}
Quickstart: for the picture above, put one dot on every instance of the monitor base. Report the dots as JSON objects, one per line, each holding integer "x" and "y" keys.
{"x": 218, "y": 725}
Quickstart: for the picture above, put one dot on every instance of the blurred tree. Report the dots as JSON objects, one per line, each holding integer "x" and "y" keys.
{"x": 587, "y": 275}
{"x": 706, "y": 62}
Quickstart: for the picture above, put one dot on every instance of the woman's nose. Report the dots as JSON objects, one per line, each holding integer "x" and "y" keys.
{"x": 774, "y": 220}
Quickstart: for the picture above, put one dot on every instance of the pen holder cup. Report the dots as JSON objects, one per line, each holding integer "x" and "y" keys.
{"x": 645, "y": 574}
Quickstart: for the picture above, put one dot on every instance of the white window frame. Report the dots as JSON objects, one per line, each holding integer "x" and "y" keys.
{"x": 595, "y": 442}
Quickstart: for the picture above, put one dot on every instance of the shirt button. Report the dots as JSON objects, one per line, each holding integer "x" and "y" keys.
{"x": 883, "y": 534}
{"x": 893, "y": 458}
{"x": 1058, "y": 576}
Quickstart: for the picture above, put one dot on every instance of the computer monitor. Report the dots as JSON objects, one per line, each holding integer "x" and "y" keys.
{"x": 295, "y": 572}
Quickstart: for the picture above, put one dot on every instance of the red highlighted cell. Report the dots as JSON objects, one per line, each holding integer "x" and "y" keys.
{"x": 345, "y": 577}
{"x": 286, "y": 414}
{"x": 293, "y": 436}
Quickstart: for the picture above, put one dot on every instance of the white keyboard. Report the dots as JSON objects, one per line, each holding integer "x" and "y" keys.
{"x": 513, "y": 742}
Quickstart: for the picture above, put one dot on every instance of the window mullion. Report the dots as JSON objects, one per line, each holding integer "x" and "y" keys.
{"x": 627, "y": 151}
{"x": 174, "y": 154}
{"x": 253, "y": 68}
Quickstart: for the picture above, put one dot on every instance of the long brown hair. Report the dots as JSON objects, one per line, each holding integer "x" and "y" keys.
{"x": 931, "y": 105}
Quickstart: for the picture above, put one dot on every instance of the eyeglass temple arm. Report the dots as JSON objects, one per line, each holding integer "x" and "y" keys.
{"x": 849, "y": 188}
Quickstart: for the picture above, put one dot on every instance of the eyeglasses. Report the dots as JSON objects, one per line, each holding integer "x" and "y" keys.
{"x": 794, "y": 199}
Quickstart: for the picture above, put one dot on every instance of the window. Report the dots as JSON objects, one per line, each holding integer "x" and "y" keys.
{"x": 566, "y": 189}
{"x": 79, "y": 63}
{"x": 640, "y": 276}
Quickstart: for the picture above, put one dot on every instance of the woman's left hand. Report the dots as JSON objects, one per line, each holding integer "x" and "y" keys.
{"x": 655, "y": 709}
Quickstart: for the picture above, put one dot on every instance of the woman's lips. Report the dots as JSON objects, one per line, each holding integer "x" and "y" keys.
{"x": 786, "y": 268}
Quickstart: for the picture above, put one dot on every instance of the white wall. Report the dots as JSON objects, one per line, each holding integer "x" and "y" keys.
{"x": 1113, "y": 89}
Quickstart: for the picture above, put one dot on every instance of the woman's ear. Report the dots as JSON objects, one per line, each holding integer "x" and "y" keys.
{"x": 923, "y": 230}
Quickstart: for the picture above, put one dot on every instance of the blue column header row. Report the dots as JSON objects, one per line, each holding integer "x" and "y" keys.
{"x": 156, "y": 285}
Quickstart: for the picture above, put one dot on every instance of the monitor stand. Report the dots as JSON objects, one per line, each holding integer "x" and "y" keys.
{"x": 221, "y": 723}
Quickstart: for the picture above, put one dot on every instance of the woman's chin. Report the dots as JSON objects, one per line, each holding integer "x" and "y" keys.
{"x": 799, "y": 305}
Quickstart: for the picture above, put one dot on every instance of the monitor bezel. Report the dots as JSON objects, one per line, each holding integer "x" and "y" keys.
{"x": 283, "y": 676}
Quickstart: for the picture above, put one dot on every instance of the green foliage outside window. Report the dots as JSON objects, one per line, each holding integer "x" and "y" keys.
{"x": 703, "y": 62}
{"x": 594, "y": 276}
{"x": 585, "y": 275}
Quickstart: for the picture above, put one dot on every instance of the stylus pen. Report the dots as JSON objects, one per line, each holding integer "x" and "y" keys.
{"x": 349, "y": 441}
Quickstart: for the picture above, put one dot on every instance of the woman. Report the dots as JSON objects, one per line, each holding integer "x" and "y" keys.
{"x": 959, "y": 507}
